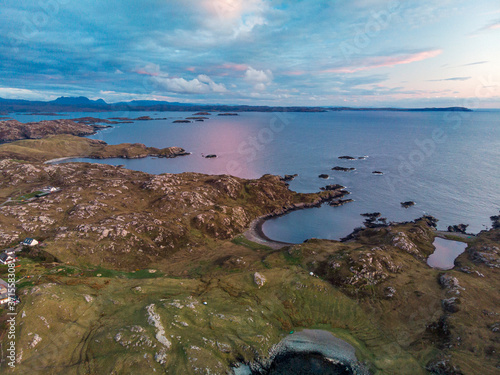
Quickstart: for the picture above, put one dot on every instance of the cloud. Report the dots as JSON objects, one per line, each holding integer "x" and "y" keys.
{"x": 475, "y": 63}
{"x": 384, "y": 61}
{"x": 200, "y": 85}
{"x": 16, "y": 93}
{"x": 450, "y": 79}
{"x": 259, "y": 78}
{"x": 493, "y": 25}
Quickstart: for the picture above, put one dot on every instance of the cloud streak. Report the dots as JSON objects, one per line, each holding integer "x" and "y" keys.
{"x": 384, "y": 62}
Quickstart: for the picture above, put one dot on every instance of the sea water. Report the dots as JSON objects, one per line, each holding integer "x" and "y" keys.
{"x": 447, "y": 162}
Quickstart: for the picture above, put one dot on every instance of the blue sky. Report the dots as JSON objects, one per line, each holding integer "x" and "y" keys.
{"x": 256, "y": 52}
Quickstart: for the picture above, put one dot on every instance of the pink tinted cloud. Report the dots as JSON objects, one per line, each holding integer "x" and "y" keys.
{"x": 385, "y": 61}
{"x": 295, "y": 73}
{"x": 146, "y": 73}
{"x": 235, "y": 67}
{"x": 191, "y": 69}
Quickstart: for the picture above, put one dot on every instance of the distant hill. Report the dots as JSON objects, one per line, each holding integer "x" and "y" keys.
{"x": 79, "y": 101}
{"x": 83, "y": 104}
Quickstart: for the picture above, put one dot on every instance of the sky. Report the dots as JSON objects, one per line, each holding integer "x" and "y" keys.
{"x": 361, "y": 53}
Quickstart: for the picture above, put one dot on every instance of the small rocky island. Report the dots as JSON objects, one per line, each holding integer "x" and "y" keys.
{"x": 407, "y": 204}
{"x": 343, "y": 169}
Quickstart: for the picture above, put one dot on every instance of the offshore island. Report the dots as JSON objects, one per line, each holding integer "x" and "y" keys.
{"x": 156, "y": 273}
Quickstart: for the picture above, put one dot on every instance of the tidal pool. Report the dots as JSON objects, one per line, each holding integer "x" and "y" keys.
{"x": 445, "y": 254}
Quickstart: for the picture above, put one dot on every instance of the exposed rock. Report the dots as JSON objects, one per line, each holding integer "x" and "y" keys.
{"x": 340, "y": 202}
{"x": 439, "y": 332}
{"x": 401, "y": 241}
{"x": 345, "y": 157}
{"x": 407, "y": 204}
{"x": 332, "y": 187}
{"x": 442, "y": 366}
{"x": 181, "y": 122}
{"x": 288, "y": 177}
{"x": 495, "y": 221}
{"x": 377, "y": 172}
{"x": 227, "y": 114}
{"x": 343, "y": 169}
{"x": 259, "y": 279}
{"x": 210, "y": 156}
{"x": 430, "y": 220}
{"x": 154, "y": 320}
{"x": 488, "y": 255}
{"x": 36, "y": 340}
{"x": 371, "y": 214}
{"x": 451, "y": 304}
{"x": 450, "y": 283}
{"x": 389, "y": 292}
{"x": 323, "y": 176}
{"x": 460, "y": 228}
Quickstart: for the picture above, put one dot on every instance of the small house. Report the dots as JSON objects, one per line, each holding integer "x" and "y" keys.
{"x": 29, "y": 242}
{"x": 4, "y": 292}
{"x": 50, "y": 189}
{"x": 6, "y": 258}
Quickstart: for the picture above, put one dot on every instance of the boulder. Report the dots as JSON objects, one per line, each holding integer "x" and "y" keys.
{"x": 259, "y": 279}
{"x": 407, "y": 204}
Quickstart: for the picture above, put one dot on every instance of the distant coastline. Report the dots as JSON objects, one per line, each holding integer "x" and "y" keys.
{"x": 83, "y": 104}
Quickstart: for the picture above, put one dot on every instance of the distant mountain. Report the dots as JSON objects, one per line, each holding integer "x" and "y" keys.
{"x": 79, "y": 101}
{"x": 83, "y": 104}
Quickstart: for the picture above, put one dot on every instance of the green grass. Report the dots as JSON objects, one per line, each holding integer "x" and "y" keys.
{"x": 242, "y": 241}
{"x": 459, "y": 239}
{"x": 28, "y": 196}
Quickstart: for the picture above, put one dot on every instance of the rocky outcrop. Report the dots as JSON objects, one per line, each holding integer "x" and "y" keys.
{"x": 332, "y": 187}
{"x": 346, "y": 157}
{"x": 373, "y": 220}
{"x": 325, "y": 176}
{"x": 288, "y": 177}
{"x": 407, "y": 204}
{"x": 460, "y": 228}
{"x": 487, "y": 254}
{"x": 343, "y": 169}
{"x": 259, "y": 279}
{"x": 495, "y": 221}
{"x": 340, "y": 202}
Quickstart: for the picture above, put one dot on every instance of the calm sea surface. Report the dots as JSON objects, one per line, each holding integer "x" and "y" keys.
{"x": 448, "y": 163}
